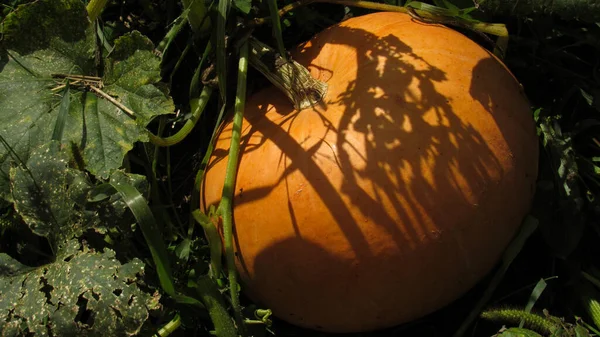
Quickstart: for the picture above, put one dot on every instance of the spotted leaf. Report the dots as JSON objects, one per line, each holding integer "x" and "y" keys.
{"x": 82, "y": 293}
{"x": 47, "y": 39}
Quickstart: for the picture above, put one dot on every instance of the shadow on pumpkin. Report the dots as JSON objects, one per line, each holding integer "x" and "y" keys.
{"x": 408, "y": 164}
{"x": 400, "y": 143}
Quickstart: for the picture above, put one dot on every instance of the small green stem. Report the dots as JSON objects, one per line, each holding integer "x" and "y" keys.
{"x": 170, "y": 327}
{"x": 189, "y": 124}
{"x": 226, "y": 204}
{"x": 277, "y": 27}
{"x": 95, "y": 7}
{"x": 212, "y": 299}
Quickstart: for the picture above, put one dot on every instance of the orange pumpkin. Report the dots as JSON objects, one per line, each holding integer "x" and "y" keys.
{"x": 393, "y": 197}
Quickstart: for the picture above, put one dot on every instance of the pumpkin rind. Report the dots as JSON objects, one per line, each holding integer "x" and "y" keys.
{"x": 397, "y": 194}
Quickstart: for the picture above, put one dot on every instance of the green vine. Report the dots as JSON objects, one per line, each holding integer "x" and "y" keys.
{"x": 226, "y": 204}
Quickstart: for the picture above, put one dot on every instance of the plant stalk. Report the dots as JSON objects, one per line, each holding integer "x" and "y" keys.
{"x": 226, "y": 204}
{"x": 189, "y": 124}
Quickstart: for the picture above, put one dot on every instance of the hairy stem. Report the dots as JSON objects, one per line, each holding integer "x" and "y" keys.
{"x": 213, "y": 300}
{"x": 226, "y": 204}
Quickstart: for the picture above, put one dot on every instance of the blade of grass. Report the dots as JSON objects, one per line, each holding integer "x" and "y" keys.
{"x": 529, "y": 226}
{"x": 145, "y": 219}
{"x": 277, "y": 33}
{"x": 535, "y": 295}
{"x": 226, "y": 205}
{"x": 176, "y": 27}
{"x": 181, "y": 60}
{"x": 63, "y": 112}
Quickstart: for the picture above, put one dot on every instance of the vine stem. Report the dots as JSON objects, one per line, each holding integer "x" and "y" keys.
{"x": 226, "y": 204}
{"x": 189, "y": 124}
{"x": 489, "y": 28}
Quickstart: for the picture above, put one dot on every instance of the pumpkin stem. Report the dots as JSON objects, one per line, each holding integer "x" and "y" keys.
{"x": 286, "y": 74}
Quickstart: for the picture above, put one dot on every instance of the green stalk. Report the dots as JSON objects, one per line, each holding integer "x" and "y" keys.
{"x": 277, "y": 27}
{"x": 95, "y": 7}
{"x": 170, "y": 327}
{"x": 226, "y": 204}
{"x": 213, "y": 300}
{"x": 189, "y": 124}
{"x": 214, "y": 242}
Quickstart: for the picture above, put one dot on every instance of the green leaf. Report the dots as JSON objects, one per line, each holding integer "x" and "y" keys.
{"x": 581, "y": 331}
{"x": 40, "y": 193}
{"x": 59, "y": 202}
{"x": 43, "y": 23}
{"x": 49, "y": 37}
{"x": 52, "y": 298}
{"x": 535, "y": 295}
{"x": 243, "y": 6}
{"x": 519, "y": 332}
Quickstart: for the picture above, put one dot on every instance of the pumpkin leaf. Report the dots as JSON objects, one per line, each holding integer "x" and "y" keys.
{"x": 91, "y": 289}
{"x": 34, "y": 62}
{"x": 40, "y": 192}
{"x": 58, "y": 202}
